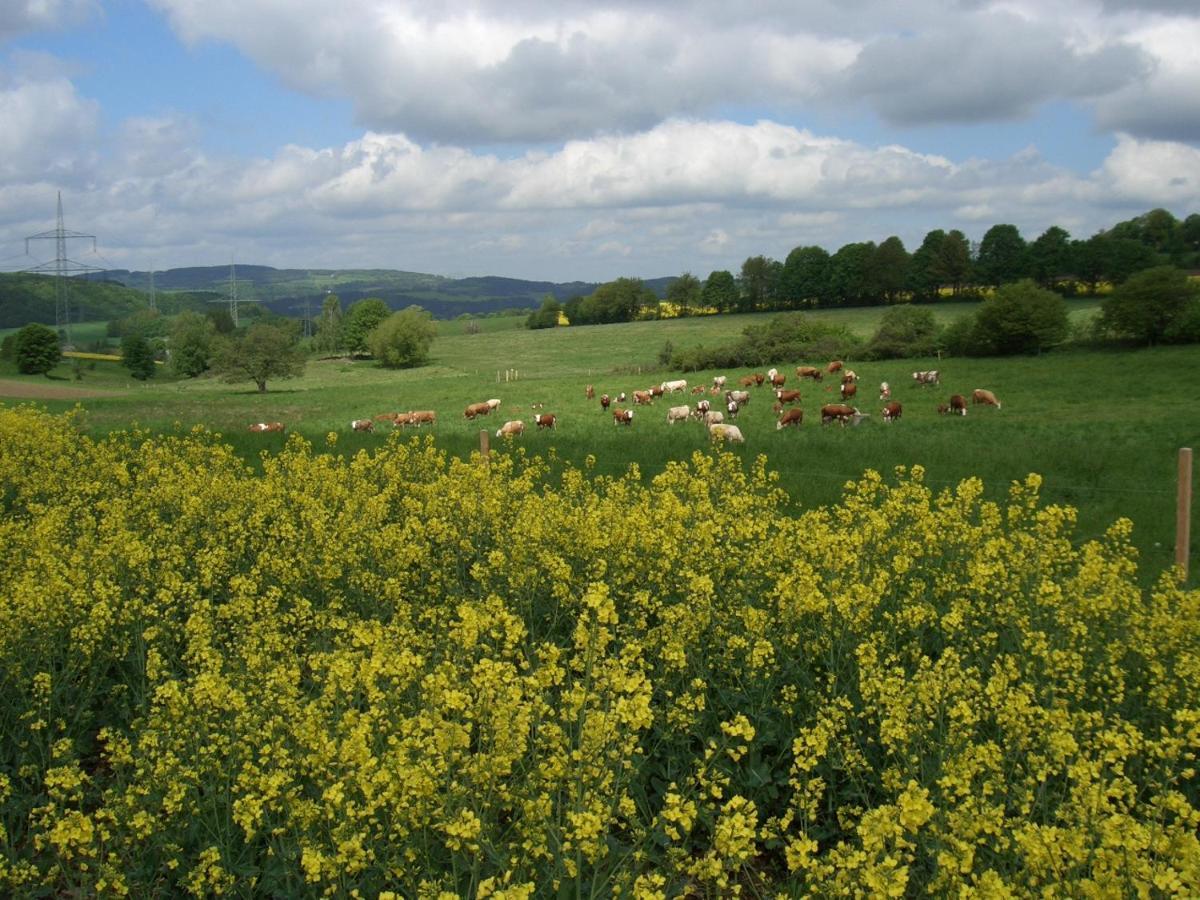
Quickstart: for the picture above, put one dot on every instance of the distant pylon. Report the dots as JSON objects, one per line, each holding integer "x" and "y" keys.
{"x": 233, "y": 301}
{"x": 153, "y": 299}
{"x": 61, "y": 267}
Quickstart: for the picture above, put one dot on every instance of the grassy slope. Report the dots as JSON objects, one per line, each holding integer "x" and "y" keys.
{"x": 1103, "y": 428}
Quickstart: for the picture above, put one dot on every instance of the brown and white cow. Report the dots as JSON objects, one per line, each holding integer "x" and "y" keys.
{"x": 718, "y": 381}
{"x": 655, "y": 391}
{"x": 759, "y": 378}
{"x": 979, "y": 395}
{"x": 793, "y": 416}
{"x": 477, "y": 409}
{"x": 932, "y": 376}
{"x": 792, "y": 396}
{"x": 266, "y": 427}
{"x": 362, "y": 425}
{"x": 849, "y": 375}
{"x": 778, "y": 380}
{"x": 749, "y": 380}
{"x": 621, "y": 397}
{"x": 741, "y": 398}
{"x": 622, "y": 416}
{"x": 885, "y": 391}
{"x": 958, "y": 405}
{"x": 642, "y": 398}
{"x": 697, "y": 389}
{"x": 835, "y": 366}
{"x": 849, "y": 389}
{"x": 839, "y": 412}
{"x": 546, "y": 420}
{"x": 421, "y": 417}
{"x": 702, "y": 406}
{"x": 511, "y": 429}
{"x": 891, "y": 411}
{"x": 493, "y": 403}
{"x": 679, "y": 385}
{"x": 387, "y": 417}
{"x": 589, "y": 392}
{"x": 605, "y": 400}
{"x": 808, "y": 372}
{"x": 714, "y": 417}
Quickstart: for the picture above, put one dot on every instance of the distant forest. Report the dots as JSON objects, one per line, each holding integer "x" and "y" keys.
{"x": 946, "y": 265}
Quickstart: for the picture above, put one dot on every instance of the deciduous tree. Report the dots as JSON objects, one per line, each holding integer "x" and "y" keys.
{"x": 261, "y": 353}
{"x": 402, "y": 340}
{"x": 1147, "y": 305}
{"x": 36, "y": 349}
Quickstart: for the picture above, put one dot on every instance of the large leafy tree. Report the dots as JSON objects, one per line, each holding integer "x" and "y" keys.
{"x": 1149, "y": 303}
{"x": 617, "y": 301}
{"x": 137, "y": 355}
{"x": 758, "y": 281}
{"x": 1020, "y": 318}
{"x": 889, "y": 269}
{"x": 544, "y": 317}
{"x": 361, "y": 319}
{"x": 952, "y": 265}
{"x": 720, "y": 291}
{"x": 804, "y": 280}
{"x": 402, "y": 340}
{"x": 1002, "y": 256}
{"x": 263, "y": 352}
{"x": 36, "y": 349}
{"x": 851, "y": 275}
{"x": 191, "y": 341}
{"x": 328, "y": 338}
{"x": 925, "y": 277}
{"x": 1050, "y": 256}
{"x": 684, "y": 292}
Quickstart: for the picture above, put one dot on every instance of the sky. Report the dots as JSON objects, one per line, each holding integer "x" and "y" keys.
{"x": 581, "y": 139}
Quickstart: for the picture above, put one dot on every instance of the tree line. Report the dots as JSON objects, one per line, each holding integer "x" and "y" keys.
{"x": 867, "y": 274}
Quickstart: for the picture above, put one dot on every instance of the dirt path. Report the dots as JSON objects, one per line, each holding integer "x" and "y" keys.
{"x": 33, "y": 390}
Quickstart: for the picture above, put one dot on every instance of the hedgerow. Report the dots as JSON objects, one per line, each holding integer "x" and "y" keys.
{"x": 406, "y": 674}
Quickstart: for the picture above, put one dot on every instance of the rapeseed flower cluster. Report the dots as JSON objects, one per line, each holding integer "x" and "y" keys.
{"x": 409, "y": 675}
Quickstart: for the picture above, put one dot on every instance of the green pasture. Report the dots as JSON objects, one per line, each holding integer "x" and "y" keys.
{"x": 1103, "y": 428}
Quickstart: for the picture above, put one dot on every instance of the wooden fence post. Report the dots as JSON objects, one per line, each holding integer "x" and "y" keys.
{"x": 1183, "y": 510}
{"x": 484, "y": 450}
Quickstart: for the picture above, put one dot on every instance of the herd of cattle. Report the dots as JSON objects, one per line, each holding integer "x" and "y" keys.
{"x": 714, "y": 418}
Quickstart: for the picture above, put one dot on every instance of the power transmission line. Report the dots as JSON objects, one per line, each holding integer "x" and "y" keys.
{"x": 61, "y": 266}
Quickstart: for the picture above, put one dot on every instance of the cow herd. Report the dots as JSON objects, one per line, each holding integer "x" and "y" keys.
{"x": 714, "y": 411}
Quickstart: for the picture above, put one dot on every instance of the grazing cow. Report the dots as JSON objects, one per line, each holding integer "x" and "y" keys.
{"x": 759, "y": 378}
{"x": 808, "y": 372}
{"x": 493, "y": 404}
{"x": 421, "y": 417}
{"x": 979, "y": 395}
{"x": 771, "y": 373}
{"x": 387, "y": 417}
{"x": 891, "y": 411}
{"x": 885, "y": 391}
{"x": 589, "y": 392}
{"x": 622, "y": 416}
{"x": 849, "y": 375}
{"x": 749, "y": 380}
{"x": 546, "y": 420}
{"x": 793, "y": 416}
{"x": 401, "y": 420}
{"x": 702, "y": 406}
{"x": 698, "y": 389}
{"x": 718, "y": 381}
{"x": 621, "y": 397}
{"x": 778, "y": 380}
{"x": 671, "y": 387}
{"x": 511, "y": 429}
{"x": 732, "y": 408}
{"x": 643, "y": 398}
{"x": 943, "y": 408}
{"x": 477, "y": 409}
{"x": 362, "y": 425}
{"x": 739, "y": 397}
{"x": 604, "y": 401}
{"x": 931, "y": 376}
{"x": 840, "y": 412}
{"x": 958, "y": 404}
{"x": 655, "y": 391}
{"x": 835, "y": 366}
{"x": 537, "y": 405}
{"x": 849, "y": 389}
{"x": 776, "y": 407}
{"x": 714, "y": 417}
{"x": 787, "y": 396}
{"x": 265, "y": 427}
{"x": 712, "y": 392}
{"x": 678, "y": 414}
{"x": 722, "y": 432}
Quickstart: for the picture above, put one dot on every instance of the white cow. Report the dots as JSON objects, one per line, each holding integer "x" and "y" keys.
{"x": 722, "y": 432}
{"x": 671, "y": 387}
{"x": 678, "y": 414}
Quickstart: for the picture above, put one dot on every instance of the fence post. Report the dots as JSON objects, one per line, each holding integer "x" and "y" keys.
{"x": 1183, "y": 510}
{"x": 484, "y": 450}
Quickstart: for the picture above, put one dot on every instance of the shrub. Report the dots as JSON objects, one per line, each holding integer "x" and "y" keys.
{"x": 36, "y": 349}
{"x": 904, "y": 331}
{"x": 403, "y": 339}
{"x": 1020, "y": 318}
{"x": 1148, "y": 305}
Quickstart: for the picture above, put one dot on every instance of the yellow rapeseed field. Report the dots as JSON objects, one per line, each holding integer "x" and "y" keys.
{"x": 408, "y": 675}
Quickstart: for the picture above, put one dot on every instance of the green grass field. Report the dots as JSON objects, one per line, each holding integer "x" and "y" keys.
{"x": 1103, "y": 428}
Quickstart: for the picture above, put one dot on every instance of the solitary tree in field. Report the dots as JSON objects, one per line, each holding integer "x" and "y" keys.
{"x": 361, "y": 319}
{"x": 192, "y": 338}
{"x": 402, "y": 340}
{"x": 264, "y": 352}
{"x": 137, "y": 356}
{"x": 36, "y": 349}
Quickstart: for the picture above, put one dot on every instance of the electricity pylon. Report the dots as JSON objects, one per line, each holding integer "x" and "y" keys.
{"x": 62, "y": 266}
